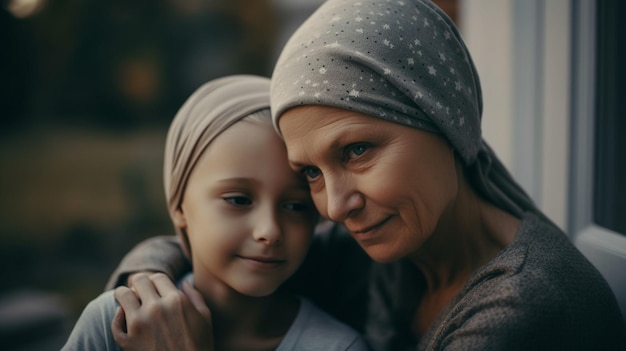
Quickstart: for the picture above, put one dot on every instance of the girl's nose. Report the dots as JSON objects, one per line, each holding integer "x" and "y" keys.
{"x": 267, "y": 228}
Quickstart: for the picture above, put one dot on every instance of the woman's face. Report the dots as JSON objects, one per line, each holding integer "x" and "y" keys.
{"x": 388, "y": 184}
{"x": 249, "y": 218}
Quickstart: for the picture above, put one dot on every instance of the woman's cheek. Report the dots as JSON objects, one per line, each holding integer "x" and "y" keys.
{"x": 319, "y": 200}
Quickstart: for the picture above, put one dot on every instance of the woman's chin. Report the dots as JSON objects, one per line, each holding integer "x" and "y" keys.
{"x": 382, "y": 253}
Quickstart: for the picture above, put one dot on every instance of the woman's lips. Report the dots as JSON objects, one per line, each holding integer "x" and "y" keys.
{"x": 369, "y": 232}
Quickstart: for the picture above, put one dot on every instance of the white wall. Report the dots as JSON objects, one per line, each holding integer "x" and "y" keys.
{"x": 485, "y": 27}
{"x": 556, "y": 110}
{"x": 544, "y": 82}
{"x": 521, "y": 49}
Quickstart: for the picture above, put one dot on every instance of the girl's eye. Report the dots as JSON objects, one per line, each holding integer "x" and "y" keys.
{"x": 356, "y": 149}
{"x": 311, "y": 172}
{"x": 238, "y": 200}
{"x": 297, "y": 206}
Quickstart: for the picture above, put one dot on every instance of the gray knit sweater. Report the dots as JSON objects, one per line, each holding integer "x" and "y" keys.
{"x": 539, "y": 293}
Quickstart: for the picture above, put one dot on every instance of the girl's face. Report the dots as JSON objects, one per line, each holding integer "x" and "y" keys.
{"x": 388, "y": 184}
{"x": 249, "y": 218}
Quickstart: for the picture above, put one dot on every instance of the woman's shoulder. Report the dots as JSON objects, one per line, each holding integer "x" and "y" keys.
{"x": 314, "y": 329}
{"x": 542, "y": 264}
{"x": 552, "y": 260}
{"x": 542, "y": 285}
{"x": 543, "y": 256}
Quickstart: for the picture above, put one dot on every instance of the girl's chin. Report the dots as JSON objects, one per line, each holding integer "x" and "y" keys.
{"x": 256, "y": 291}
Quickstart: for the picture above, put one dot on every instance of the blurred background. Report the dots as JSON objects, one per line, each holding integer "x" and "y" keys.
{"x": 88, "y": 89}
{"x": 87, "y": 92}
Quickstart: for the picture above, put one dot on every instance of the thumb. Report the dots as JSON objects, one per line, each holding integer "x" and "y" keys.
{"x": 196, "y": 300}
{"x": 118, "y": 326}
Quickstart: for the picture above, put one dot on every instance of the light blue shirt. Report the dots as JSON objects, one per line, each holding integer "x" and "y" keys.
{"x": 312, "y": 330}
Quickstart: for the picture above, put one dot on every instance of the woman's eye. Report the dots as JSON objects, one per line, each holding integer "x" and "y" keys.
{"x": 356, "y": 149}
{"x": 238, "y": 200}
{"x": 311, "y": 172}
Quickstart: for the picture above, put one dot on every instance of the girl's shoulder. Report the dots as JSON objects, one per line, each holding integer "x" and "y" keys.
{"x": 92, "y": 331}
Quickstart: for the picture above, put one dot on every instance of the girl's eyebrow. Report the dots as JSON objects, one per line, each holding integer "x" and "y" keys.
{"x": 238, "y": 181}
{"x": 243, "y": 181}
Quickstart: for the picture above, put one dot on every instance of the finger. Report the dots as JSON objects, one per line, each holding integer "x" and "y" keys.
{"x": 129, "y": 279}
{"x": 163, "y": 284}
{"x": 197, "y": 300}
{"x": 145, "y": 289}
{"x": 118, "y": 326}
{"x": 127, "y": 299}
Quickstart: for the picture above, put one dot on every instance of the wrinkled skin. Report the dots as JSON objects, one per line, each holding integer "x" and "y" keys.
{"x": 155, "y": 315}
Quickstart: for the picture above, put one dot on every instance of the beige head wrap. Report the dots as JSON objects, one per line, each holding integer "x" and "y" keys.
{"x": 209, "y": 111}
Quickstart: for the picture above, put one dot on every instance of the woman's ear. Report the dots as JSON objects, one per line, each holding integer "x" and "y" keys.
{"x": 179, "y": 218}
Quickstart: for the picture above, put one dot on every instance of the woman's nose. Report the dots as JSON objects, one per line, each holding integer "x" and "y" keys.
{"x": 267, "y": 228}
{"x": 342, "y": 198}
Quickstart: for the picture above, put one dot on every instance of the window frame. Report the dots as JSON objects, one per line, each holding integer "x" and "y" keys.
{"x": 605, "y": 248}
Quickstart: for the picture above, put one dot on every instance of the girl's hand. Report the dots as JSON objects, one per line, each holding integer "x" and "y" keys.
{"x": 155, "y": 315}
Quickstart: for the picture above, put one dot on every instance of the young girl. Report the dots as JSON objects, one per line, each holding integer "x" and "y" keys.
{"x": 245, "y": 220}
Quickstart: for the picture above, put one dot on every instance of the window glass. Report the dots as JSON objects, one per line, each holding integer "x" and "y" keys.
{"x": 610, "y": 149}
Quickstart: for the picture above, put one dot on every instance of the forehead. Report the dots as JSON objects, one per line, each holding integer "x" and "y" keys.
{"x": 243, "y": 140}
{"x": 303, "y": 121}
{"x": 311, "y": 132}
{"x": 247, "y": 149}
{"x": 314, "y": 133}
{"x": 325, "y": 126}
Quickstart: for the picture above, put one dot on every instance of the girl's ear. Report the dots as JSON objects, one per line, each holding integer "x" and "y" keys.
{"x": 179, "y": 218}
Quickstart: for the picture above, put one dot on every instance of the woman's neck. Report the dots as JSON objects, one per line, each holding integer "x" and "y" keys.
{"x": 469, "y": 234}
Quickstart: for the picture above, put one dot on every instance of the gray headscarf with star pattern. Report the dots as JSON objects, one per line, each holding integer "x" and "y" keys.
{"x": 403, "y": 61}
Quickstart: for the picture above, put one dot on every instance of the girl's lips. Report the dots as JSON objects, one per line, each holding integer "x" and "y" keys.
{"x": 263, "y": 262}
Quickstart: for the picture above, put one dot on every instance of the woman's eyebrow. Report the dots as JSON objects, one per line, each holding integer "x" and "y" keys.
{"x": 338, "y": 139}
{"x": 295, "y": 164}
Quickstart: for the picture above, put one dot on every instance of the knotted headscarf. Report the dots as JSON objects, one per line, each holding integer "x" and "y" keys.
{"x": 209, "y": 111}
{"x": 400, "y": 60}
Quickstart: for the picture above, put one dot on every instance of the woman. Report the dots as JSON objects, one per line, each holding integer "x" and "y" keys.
{"x": 379, "y": 105}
